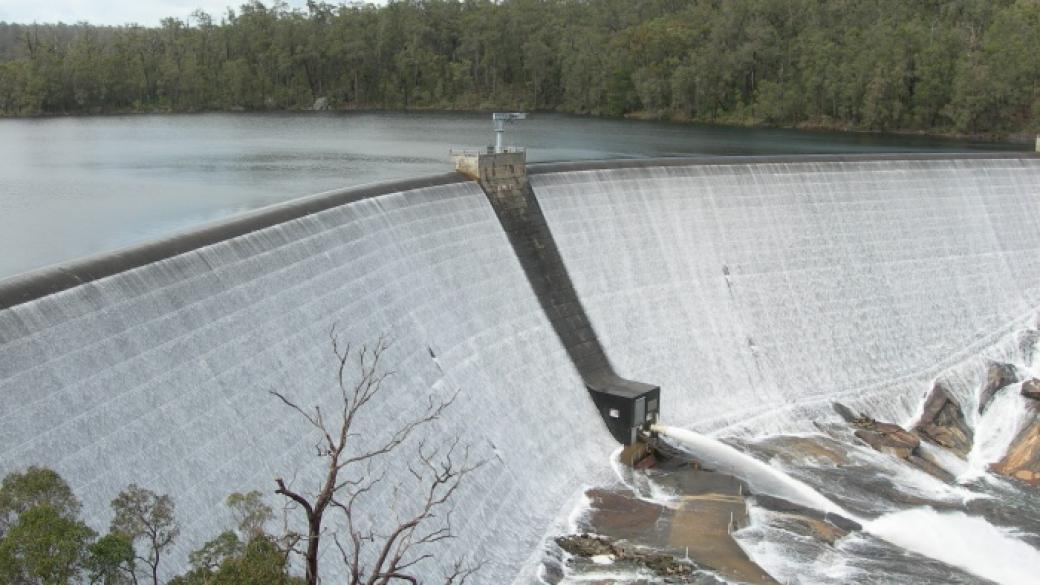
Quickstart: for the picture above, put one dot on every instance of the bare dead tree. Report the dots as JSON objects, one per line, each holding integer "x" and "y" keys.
{"x": 437, "y": 475}
{"x": 349, "y": 477}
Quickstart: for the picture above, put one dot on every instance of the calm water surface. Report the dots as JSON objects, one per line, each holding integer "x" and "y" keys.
{"x": 73, "y": 187}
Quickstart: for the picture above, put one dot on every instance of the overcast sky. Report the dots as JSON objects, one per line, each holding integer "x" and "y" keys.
{"x": 146, "y": 12}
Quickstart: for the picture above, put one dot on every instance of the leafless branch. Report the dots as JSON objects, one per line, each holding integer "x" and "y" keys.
{"x": 348, "y": 479}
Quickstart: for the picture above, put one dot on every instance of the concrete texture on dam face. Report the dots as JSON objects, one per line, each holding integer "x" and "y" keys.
{"x": 755, "y": 294}
{"x": 159, "y": 375}
{"x": 752, "y": 292}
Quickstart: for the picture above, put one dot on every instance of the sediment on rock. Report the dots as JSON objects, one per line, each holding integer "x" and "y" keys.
{"x": 589, "y": 546}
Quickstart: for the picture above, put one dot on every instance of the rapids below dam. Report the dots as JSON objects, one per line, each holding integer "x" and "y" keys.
{"x": 754, "y": 291}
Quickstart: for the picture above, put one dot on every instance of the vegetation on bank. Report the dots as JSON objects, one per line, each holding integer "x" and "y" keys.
{"x": 967, "y": 66}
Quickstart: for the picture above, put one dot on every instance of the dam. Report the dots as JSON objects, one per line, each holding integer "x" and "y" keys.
{"x": 754, "y": 291}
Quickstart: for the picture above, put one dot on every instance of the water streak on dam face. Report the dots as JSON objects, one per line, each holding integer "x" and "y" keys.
{"x": 753, "y": 292}
{"x": 757, "y": 293}
{"x": 159, "y": 375}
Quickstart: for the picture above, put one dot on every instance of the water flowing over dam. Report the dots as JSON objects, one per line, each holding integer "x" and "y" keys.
{"x": 959, "y": 540}
{"x": 753, "y": 291}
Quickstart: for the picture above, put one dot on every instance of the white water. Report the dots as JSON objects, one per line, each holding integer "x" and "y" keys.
{"x": 995, "y": 429}
{"x": 641, "y": 486}
{"x": 950, "y": 463}
{"x": 759, "y": 476}
{"x": 970, "y": 543}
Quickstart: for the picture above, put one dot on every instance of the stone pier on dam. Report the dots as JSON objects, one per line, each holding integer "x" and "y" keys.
{"x": 752, "y": 291}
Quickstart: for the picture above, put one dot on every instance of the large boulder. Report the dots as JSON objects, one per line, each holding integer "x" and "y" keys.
{"x": 1022, "y": 460}
{"x": 998, "y": 376}
{"x": 892, "y": 439}
{"x": 943, "y": 422}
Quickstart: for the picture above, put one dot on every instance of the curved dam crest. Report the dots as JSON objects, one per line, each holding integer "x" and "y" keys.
{"x": 752, "y": 290}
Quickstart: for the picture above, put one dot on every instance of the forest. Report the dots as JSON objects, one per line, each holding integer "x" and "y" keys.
{"x": 954, "y": 66}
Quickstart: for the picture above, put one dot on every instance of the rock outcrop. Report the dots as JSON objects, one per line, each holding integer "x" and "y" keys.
{"x": 838, "y": 524}
{"x": 1022, "y": 460}
{"x": 892, "y": 439}
{"x": 596, "y": 548}
{"x": 888, "y": 438}
{"x": 998, "y": 376}
{"x": 943, "y": 422}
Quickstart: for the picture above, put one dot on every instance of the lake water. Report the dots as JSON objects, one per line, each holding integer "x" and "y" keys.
{"x": 73, "y": 187}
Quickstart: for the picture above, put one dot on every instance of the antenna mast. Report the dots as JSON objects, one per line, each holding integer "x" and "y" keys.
{"x": 500, "y": 119}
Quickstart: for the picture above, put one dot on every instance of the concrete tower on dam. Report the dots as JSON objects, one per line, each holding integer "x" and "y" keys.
{"x": 627, "y": 407}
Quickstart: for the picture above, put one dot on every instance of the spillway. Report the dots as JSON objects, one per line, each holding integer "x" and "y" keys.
{"x": 757, "y": 293}
{"x": 754, "y": 291}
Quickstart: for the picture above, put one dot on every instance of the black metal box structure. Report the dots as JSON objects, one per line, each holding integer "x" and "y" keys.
{"x": 627, "y": 407}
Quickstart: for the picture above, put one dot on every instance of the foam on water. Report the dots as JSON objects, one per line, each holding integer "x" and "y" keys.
{"x": 967, "y": 542}
{"x": 791, "y": 558}
{"x": 950, "y": 463}
{"x": 642, "y": 486}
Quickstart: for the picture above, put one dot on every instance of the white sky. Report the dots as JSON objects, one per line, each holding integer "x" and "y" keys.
{"x": 144, "y": 12}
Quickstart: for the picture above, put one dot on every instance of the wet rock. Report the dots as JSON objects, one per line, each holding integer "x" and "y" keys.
{"x": 930, "y": 467}
{"x": 888, "y": 438}
{"x": 1031, "y": 389}
{"x": 666, "y": 566}
{"x": 998, "y": 376}
{"x": 621, "y": 515}
{"x": 850, "y": 417}
{"x": 587, "y": 545}
{"x": 838, "y": 522}
{"x": 818, "y": 529}
{"x": 1022, "y": 461}
{"x": 943, "y": 422}
{"x": 892, "y": 439}
{"x": 800, "y": 450}
{"x": 844, "y": 412}
{"x": 597, "y": 547}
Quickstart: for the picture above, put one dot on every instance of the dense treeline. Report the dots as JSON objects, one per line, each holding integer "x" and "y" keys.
{"x": 957, "y": 65}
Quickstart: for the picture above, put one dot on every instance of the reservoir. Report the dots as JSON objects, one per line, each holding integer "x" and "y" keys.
{"x": 74, "y": 187}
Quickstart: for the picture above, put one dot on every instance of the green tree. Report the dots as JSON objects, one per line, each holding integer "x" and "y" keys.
{"x": 111, "y": 560}
{"x": 44, "y": 547}
{"x": 147, "y": 520}
{"x": 36, "y": 486}
{"x": 250, "y": 512}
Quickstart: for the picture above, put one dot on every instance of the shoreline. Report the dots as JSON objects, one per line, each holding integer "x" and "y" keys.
{"x": 1018, "y": 137}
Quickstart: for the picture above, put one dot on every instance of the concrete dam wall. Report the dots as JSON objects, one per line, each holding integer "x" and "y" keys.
{"x": 756, "y": 294}
{"x": 753, "y": 291}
